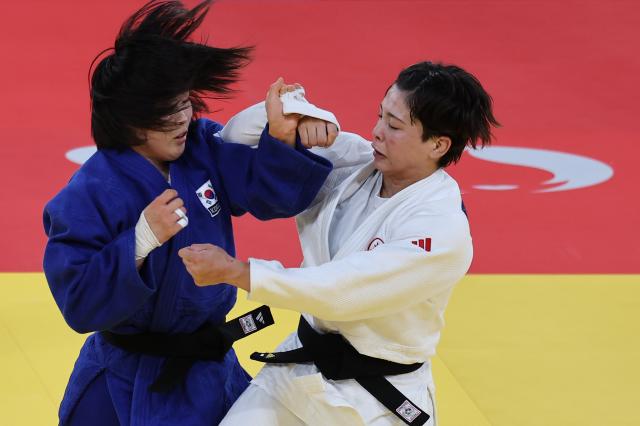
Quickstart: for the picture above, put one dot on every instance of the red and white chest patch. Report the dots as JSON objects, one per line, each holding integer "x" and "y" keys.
{"x": 375, "y": 243}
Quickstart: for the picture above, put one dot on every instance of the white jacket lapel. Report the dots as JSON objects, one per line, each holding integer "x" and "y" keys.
{"x": 363, "y": 233}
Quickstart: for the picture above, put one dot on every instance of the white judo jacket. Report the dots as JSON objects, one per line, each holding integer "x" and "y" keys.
{"x": 385, "y": 290}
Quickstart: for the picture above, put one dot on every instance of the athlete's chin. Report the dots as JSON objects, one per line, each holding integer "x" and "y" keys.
{"x": 177, "y": 152}
{"x": 380, "y": 163}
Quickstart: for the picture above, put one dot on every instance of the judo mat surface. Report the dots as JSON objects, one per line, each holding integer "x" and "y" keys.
{"x": 525, "y": 350}
{"x": 544, "y": 330}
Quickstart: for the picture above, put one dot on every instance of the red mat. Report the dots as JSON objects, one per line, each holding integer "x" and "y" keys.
{"x": 564, "y": 77}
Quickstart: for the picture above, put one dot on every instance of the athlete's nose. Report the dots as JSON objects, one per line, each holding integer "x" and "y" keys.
{"x": 377, "y": 131}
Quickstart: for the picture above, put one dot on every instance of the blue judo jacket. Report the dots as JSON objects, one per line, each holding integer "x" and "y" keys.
{"x": 90, "y": 266}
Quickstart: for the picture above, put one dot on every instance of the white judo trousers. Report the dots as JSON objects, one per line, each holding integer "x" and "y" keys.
{"x": 384, "y": 290}
{"x": 256, "y": 407}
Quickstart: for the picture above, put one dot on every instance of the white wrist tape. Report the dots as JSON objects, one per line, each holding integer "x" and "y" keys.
{"x": 295, "y": 102}
{"x": 146, "y": 240}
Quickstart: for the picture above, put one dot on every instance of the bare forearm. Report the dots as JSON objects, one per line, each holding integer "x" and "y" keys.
{"x": 240, "y": 275}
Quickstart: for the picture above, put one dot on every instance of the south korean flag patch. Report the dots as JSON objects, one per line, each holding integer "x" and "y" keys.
{"x": 208, "y": 198}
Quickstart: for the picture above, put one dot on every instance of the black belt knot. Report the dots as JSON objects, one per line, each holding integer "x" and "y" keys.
{"x": 210, "y": 342}
{"x": 337, "y": 359}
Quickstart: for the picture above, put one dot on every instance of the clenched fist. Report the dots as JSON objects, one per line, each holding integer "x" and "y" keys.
{"x": 281, "y": 126}
{"x": 316, "y": 132}
{"x": 162, "y": 217}
{"x": 209, "y": 264}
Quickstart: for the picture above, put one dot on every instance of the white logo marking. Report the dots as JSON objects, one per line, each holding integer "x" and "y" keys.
{"x": 570, "y": 170}
{"x": 80, "y": 155}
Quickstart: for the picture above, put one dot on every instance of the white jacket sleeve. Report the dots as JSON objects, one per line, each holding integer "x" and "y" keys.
{"x": 348, "y": 153}
{"x": 246, "y": 126}
{"x": 368, "y": 284}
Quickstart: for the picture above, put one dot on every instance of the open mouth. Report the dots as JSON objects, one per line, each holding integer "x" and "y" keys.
{"x": 181, "y": 135}
{"x": 377, "y": 153}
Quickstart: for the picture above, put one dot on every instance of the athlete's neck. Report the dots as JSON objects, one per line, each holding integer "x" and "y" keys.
{"x": 162, "y": 166}
{"x": 392, "y": 184}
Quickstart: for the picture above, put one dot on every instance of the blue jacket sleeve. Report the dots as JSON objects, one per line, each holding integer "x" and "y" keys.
{"x": 89, "y": 265}
{"x": 272, "y": 181}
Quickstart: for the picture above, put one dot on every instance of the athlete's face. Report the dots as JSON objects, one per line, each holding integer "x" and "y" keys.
{"x": 399, "y": 151}
{"x": 168, "y": 144}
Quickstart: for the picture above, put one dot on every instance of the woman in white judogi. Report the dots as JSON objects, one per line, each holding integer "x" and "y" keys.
{"x": 384, "y": 244}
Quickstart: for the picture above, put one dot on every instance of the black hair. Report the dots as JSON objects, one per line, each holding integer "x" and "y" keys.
{"x": 152, "y": 62}
{"x": 448, "y": 101}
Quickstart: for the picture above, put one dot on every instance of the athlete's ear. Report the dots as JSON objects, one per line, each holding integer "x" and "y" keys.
{"x": 140, "y": 134}
{"x": 441, "y": 145}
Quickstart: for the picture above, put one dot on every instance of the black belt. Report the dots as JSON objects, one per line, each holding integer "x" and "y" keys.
{"x": 338, "y": 360}
{"x": 210, "y": 342}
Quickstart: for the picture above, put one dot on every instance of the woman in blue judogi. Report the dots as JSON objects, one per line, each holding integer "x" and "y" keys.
{"x": 160, "y": 181}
